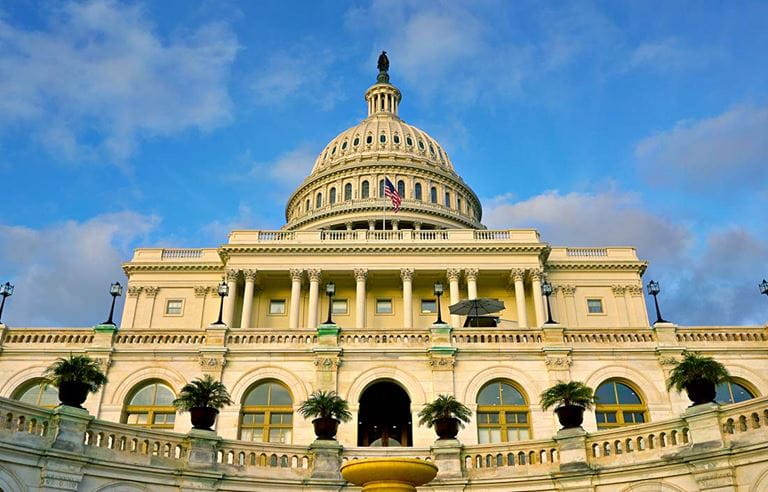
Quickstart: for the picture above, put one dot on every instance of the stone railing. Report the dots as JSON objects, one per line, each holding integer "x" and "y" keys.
{"x": 478, "y": 336}
{"x": 515, "y": 457}
{"x": 640, "y": 441}
{"x": 181, "y": 253}
{"x": 47, "y": 336}
{"x": 521, "y": 236}
{"x": 612, "y": 336}
{"x": 20, "y": 418}
{"x": 136, "y": 441}
{"x": 249, "y": 456}
{"x": 719, "y": 334}
{"x": 159, "y": 337}
{"x": 254, "y": 337}
{"x": 359, "y": 453}
{"x": 746, "y": 418}
{"x": 389, "y": 337}
{"x": 587, "y": 252}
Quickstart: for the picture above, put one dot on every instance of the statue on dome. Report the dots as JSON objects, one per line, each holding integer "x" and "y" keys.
{"x": 383, "y": 66}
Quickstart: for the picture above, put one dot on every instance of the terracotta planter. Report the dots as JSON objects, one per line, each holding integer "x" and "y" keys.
{"x": 73, "y": 393}
{"x": 325, "y": 427}
{"x": 447, "y": 428}
{"x": 701, "y": 391}
{"x": 203, "y": 417}
{"x": 570, "y": 416}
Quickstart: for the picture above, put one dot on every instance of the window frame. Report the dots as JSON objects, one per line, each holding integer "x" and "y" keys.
{"x": 620, "y": 408}
{"x": 391, "y": 306}
{"x": 149, "y": 410}
{"x": 347, "y": 191}
{"x": 421, "y": 306}
{"x": 42, "y": 386}
{"x": 602, "y": 306}
{"x": 346, "y": 306}
{"x": 267, "y": 410}
{"x": 417, "y": 191}
{"x": 269, "y": 307}
{"x": 744, "y": 384}
{"x": 365, "y": 189}
{"x": 167, "y": 305}
{"x": 501, "y": 411}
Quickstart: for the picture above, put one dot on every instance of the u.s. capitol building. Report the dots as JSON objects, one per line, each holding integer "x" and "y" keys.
{"x": 388, "y": 356}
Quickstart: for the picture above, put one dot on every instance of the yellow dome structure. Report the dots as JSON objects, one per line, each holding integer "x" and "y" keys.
{"x": 345, "y": 188}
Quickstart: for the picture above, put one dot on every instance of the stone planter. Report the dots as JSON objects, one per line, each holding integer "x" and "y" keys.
{"x": 447, "y": 428}
{"x": 73, "y": 393}
{"x": 203, "y": 418}
{"x": 570, "y": 416}
{"x": 701, "y": 391}
{"x": 325, "y": 427}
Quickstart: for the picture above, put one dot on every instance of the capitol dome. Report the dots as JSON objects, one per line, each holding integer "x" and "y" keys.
{"x": 345, "y": 189}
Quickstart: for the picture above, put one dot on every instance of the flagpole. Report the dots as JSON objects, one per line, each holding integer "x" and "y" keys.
{"x": 384, "y": 208}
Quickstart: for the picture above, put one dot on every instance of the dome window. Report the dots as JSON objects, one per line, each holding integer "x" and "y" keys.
{"x": 431, "y": 149}
{"x": 365, "y": 191}
{"x": 409, "y": 141}
{"x": 319, "y": 200}
{"x": 356, "y": 141}
{"x": 369, "y": 139}
{"x": 417, "y": 191}
{"x": 333, "y": 150}
{"x": 396, "y": 139}
{"x": 348, "y": 191}
{"x": 344, "y": 145}
{"x": 308, "y": 203}
{"x": 332, "y": 198}
{"x": 421, "y": 145}
{"x": 433, "y": 195}
{"x": 383, "y": 138}
{"x": 401, "y": 188}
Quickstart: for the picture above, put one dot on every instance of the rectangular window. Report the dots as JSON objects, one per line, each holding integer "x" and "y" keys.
{"x": 595, "y": 306}
{"x": 383, "y": 306}
{"x": 277, "y": 306}
{"x": 428, "y": 306}
{"x": 173, "y": 307}
{"x": 340, "y": 306}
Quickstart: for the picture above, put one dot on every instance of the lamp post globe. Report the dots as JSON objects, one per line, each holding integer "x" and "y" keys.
{"x": 438, "y": 291}
{"x": 115, "y": 290}
{"x": 223, "y": 291}
{"x": 654, "y": 289}
{"x": 546, "y": 289}
{"x": 6, "y": 290}
{"x": 330, "y": 290}
{"x": 763, "y": 287}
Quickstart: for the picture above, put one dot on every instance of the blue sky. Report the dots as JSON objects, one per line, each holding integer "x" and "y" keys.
{"x": 126, "y": 124}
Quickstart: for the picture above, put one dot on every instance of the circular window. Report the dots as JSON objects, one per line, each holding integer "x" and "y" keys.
{"x": 356, "y": 141}
{"x": 396, "y": 139}
{"x": 382, "y": 138}
{"x": 369, "y": 139}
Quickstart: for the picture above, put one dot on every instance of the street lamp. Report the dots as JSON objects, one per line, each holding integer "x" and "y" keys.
{"x": 223, "y": 292}
{"x": 6, "y": 290}
{"x": 330, "y": 290}
{"x": 763, "y": 290}
{"x": 546, "y": 289}
{"x": 438, "y": 290}
{"x": 115, "y": 290}
{"x": 654, "y": 289}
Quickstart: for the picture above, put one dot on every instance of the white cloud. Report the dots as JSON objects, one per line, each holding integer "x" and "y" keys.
{"x": 665, "y": 54}
{"x": 62, "y": 272}
{"x": 727, "y": 149}
{"x": 286, "y": 170}
{"x": 99, "y": 77}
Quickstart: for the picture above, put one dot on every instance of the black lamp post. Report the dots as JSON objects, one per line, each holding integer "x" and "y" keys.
{"x": 223, "y": 292}
{"x": 115, "y": 290}
{"x": 6, "y": 290}
{"x": 546, "y": 289}
{"x": 439, "y": 292}
{"x": 763, "y": 290}
{"x": 330, "y": 290}
{"x": 654, "y": 289}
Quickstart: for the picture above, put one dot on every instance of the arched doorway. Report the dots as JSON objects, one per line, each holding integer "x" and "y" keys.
{"x": 385, "y": 416}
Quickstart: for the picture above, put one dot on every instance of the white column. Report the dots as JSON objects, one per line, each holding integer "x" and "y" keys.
{"x": 314, "y": 287}
{"x": 293, "y": 314}
{"x": 522, "y": 316}
{"x": 453, "y": 275}
{"x": 417, "y": 225}
{"x": 229, "y": 302}
{"x": 361, "y": 274}
{"x": 538, "y": 303}
{"x": 471, "y": 275}
{"x": 371, "y": 225}
{"x": 407, "y": 275}
{"x": 250, "y": 280}
{"x": 395, "y": 224}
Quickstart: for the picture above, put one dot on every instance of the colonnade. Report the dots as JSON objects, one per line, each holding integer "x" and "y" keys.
{"x": 314, "y": 277}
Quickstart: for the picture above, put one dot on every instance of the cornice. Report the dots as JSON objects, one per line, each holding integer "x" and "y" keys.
{"x": 633, "y": 266}
{"x": 230, "y": 250}
{"x": 129, "y": 268}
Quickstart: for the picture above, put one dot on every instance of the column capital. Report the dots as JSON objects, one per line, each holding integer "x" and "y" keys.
{"x": 517, "y": 274}
{"x": 314, "y": 274}
{"x": 453, "y": 274}
{"x": 151, "y": 291}
{"x": 618, "y": 290}
{"x": 250, "y": 274}
{"x": 361, "y": 274}
{"x": 406, "y": 274}
{"x": 634, "y": 290}
{"x": 296, "y": 274}
{"x": 568, "y": 290}
{"x": 134, "y": 291}
{"x": 231, "y": 275}
{"x": 201, "y": 290}
{"x": 536, "y": 273}
{"x": 470, "y": 274}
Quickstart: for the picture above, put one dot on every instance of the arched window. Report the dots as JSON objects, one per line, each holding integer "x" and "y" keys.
{"x": 308, "y": 203}
{"x": 319, "y": 200}
{"x": 433, "y": 195}
{"x": 381, "y": 188}
{"x": 150, "y": 405}
{"x": 417, "y": 191}
{"x": 332, "y": 198}
{"x": 618, "y": 404}
{"x": 348, "y": 191}
{"x": 733, "y": 392}
{"x": 401, "y": 188}
{"x": 37, "y": 392}
{"x": 502, "y": 413}
{"x": 365, "y": 191}
{"x": 447, "y": 199}
{"x": 267, "y": 414}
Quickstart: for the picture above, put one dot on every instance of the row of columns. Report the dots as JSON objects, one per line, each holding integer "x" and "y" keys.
{"x": 314, "y": 276}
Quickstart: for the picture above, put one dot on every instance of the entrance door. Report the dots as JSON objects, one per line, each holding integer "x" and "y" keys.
{"x": 385, "y": 416}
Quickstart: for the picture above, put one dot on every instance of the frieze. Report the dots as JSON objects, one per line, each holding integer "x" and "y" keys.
{"x": 558, "y": 362}
{"x": 208, "y": 363}
{"x": 327, "y": 363}
{"x": 442, "y": 362}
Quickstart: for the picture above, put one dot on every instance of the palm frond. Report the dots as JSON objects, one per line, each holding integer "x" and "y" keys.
{"x": 566, "y": 394}
{"x": 443, "y": 407}
{"x": 203, "y": 392}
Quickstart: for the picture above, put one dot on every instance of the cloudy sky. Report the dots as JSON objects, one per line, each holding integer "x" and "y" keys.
{"x": 126, "y": 124}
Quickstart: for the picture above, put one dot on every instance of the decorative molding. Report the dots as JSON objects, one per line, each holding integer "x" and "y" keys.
{"x": 536, "y": 274}
{"x": 327, "y": 363}
{"x": 250, "y": 274}
{"x": 296, "y": 274}
{"x": 361, "y": 274}
{"x": 558, "y": 361}
{"x": 567, "y": 290}
{"x": 406, "y": 274}
{"x": 634, "y": 266}
{"x": 212, "y": 362}
{"x": 134, "y": 291}
{"x": 314, "y": 274}
{"x": 470, "y": 274}
{"x": 232, "y": 275}
{"x": 634, "y": 290}
{"x": 151, "y": 291}
{"x": 441, "y": 362}
{"x": 202, "y": 290}
{"x": 453, "y": 274}
{"x": 516, "y": 274}
{"x": 618, "y": 290}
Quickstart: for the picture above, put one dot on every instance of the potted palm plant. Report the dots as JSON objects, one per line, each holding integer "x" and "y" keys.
{"x": 203, "y": 398}
{"x": 570, "y": 399}
{"x": 75, "y": 376}
{"x": 446, "y": 414}
{"x": 698, "y": 376}
{"x": 329, "y": 409}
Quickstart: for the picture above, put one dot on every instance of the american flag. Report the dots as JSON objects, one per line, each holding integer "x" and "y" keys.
{"x": 391, "y": 192}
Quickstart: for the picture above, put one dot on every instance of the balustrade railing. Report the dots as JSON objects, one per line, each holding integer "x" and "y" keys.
{"x": 181, "y": 253}
{"x": 586, "y": 252}
{"x": 644, "y": 439}
{"x": 359, "y": 453}
{"x": 253, "y": 456}
{"x": 514, "y": 456}
{"x": 123, "y": 438}
{"x": 743, "y": 417}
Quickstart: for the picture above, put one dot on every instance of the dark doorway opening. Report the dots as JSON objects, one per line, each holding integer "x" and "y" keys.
{"x": 385, "y": 416}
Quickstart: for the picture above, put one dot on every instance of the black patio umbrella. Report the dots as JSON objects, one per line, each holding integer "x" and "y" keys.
{"x": 477, "y": 307}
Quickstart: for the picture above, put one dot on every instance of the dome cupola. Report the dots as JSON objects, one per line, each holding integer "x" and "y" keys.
{"x": 345, "y": 189}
